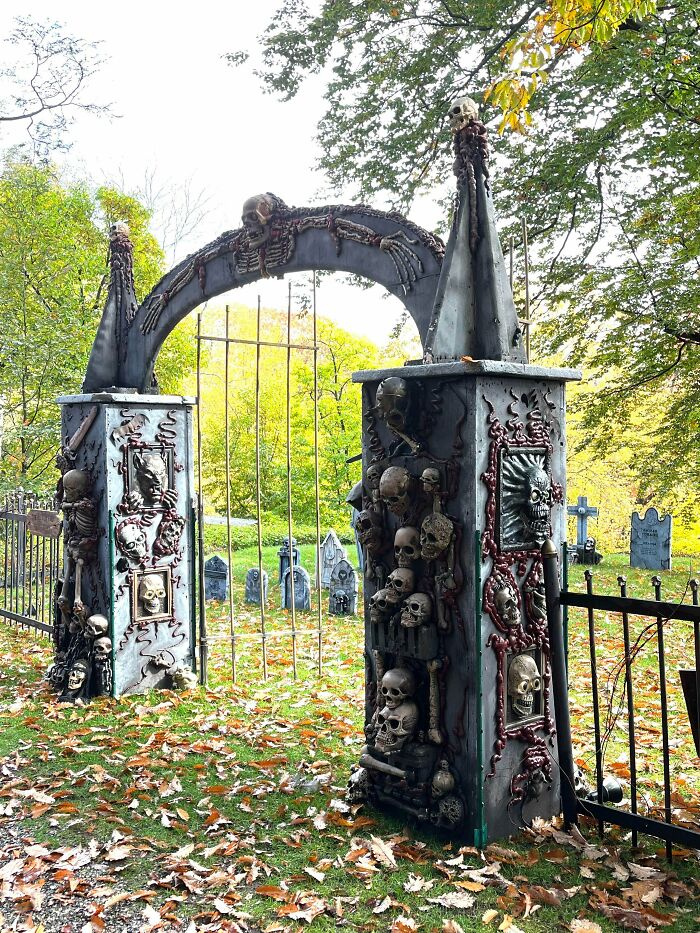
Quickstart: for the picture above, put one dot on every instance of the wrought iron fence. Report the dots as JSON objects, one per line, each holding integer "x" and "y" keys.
{"x": 30, "y": 558}
{"x": 637, "y": 662}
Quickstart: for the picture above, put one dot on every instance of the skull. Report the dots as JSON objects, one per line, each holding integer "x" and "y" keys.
{"x": 395, "y": 489}
{"x": 418, "y": 610}
{"x": 430, "y": 481}
{"x": 151, "y": 594}
{"x": 506, "y": 603}
{"x": 96, "y": 626}
{"x": 435, "y": 535}
{"x": 381, "y": 606}
{"x": 169, "y": 532}
{"x": 524, "y": 682}
{"x": 369, "y": 530}
{"x": 131, "y": 540}
{"x": 462, "y": 110}
{"x": 538, "y": 501}
{"x": 400, "y": 584}
{"x": 373, "y": 476}
{"x": 102, "y": 647}
{"x": 393, "y": 399}
{"x": 78, "y": 674}
{"x": 396, "y": 727}
{"x": 398, "y": 685}
{"x": 256, "y": 215}
{"x": 406, "y": 546}
{"x": 183, "y": 678}
{"x": 151, "y": 475}
{"x": 75, "y": 485}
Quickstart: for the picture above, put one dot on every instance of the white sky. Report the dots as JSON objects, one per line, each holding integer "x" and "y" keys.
{"x": 183, "y": 110}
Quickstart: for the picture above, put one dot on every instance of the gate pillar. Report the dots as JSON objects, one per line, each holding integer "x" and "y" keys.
{"x": 125, "y": 610}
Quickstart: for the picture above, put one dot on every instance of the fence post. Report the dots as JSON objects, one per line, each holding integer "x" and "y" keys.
{"x": 559, "y": 683}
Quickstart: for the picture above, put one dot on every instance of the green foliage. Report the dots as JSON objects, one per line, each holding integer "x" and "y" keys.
{"x": 274, "y": 530}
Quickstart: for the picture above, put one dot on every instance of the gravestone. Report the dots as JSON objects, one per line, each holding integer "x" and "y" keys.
{"x": 332, "y": 551}
{"x": 302, "y": 589}
{"x": 583, "y": 511}
{"x": 283, "y": 555}
{"x": 342, "y": 596}
{"x": 252, "y": 586}
{"x": 215, "y": 579}
{"x": 650, "y": 541}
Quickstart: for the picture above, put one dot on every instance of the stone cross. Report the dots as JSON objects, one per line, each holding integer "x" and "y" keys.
{"x": 582, "y": 510}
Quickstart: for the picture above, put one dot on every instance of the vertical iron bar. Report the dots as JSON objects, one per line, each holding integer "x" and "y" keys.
{"x": 257, "y": 496}
{"x": 565, "y": 609}
{"x": 42, "y": 601}
{"x": 36, "y": 580}
{"x": 228, "y": 500}
{"x": 656, "y": 581}
{"x": 527, "y": 289}
{"x": 696, "y": 638}
{"x": 289, "y": 478}
{"x": 5, "y": 580}
{"x": 631, "y": 739}
{"x": 560, "y": 686}
{"x": 596, "y": 705}
{"x": 510, "y": 259}
{"x": 28, "y": 585}
{"x": 203, "y": 646}
{"x": 319, "y": 593}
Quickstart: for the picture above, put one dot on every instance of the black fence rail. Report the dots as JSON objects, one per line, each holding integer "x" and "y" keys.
{"x": 30, "y": 559}
{"x": 640, "y": 630}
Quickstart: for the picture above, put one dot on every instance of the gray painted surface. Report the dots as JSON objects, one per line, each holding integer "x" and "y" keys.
{"x": 650, "y": 541}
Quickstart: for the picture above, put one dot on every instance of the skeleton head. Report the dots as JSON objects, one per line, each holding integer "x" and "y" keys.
{"x": 182, "y": 678}
{"x": 462, "y": 110}
{"x": 151, "y": 594}
{"x": 400, "y": 584}
{"x": 538, "y": 501}
{"x": 372, "y": 476}
{"x": 524, "y": 681}
{"x": 75, "y": 485}
{"x": 396, "y": 727}
{"x": 589, "y": 545}
{"x": 169, "y": 532}
{"x": 96, "y": 626}
{"x": 382, "y": 605}
{"x": 102, "y": 647}
{"x": 256, "y": 215}
{"x": 131, "y": 540}
{"x": 395, "y": 489}
{"x": 506, "y": 603}
{"x": 369, "y": 530}
{"x": 393, "y": 399}
{"x": 418, "y": 610}
{"x": 406, "y": 546}
{"x": 430, "y": 481}
{"x": 398, "y": 685}
{"x": 78, "y": 674}
{"x": 435, "y": 536}
{"x": 151, "y": 475}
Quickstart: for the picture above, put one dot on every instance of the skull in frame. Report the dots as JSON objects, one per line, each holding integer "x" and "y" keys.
{"x": 524, "y": 681}
{"x": 151, "y": 594}
{"x": 538, "y": 501}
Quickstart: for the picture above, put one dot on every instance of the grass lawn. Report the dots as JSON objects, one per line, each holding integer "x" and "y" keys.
{"x": 223, "y": 809}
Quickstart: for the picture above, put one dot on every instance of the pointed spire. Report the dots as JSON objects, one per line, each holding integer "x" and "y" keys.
{"x": 473, "y": 314}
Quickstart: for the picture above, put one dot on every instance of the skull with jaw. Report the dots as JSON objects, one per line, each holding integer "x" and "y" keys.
{"x": 395, "y": 489}
{"x": 393, "y": 400}
{"x": 255, "y": 218}
{"x": 406, "y": 546}
{"x": 435, "y": 536}
{"x": 102, "y": 648}
{"x": 538, "y": 502}
{"x": 524, "y": 681}
{"x": 382, "y": 605}
{"x": 418, "y": 610}
{"x": 372, "y": 478}
{"x": 369, "y": 530}
{"x": 151, "y": 594}
{"x": 131, "y": 540}
{"x": 462, "y": 110}
{"x": 400, "y": 584}
{"x": 395, "y": 727}
{"x": 430, "y": 481}
{"x": 506, "y": 604}
{"x": 75, "y": 485}
{"x": 77, "y": 675}
{"x": 96, "y": 626}
{"x": 398, "y": 685}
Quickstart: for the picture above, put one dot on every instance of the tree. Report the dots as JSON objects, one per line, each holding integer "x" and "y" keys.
{"x": 43, "y": 83}
{"x": 607, "y": 171}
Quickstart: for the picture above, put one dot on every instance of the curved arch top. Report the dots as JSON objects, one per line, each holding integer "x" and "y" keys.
{"x": 274, "y": 239}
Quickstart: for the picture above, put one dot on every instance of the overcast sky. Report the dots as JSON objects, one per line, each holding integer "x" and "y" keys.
{"x": 181, "y": 109}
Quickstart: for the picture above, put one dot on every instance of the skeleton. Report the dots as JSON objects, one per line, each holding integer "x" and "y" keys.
{"x": 395, "y": 489}
{"x": 102, "y": 647}
{"x": 434, "y": 732}
{"x": 436, "y": 535}
{"x": 151, "y": 594}
{"x": 462, "y": 110}
{"x": 80, "y": 535}
{"x": 524, "y": 681}
{"x": 400, "y": 584}
{"x": 506, "y": 603}
{"x": 395, "y": 727}
{"x": 131, "y": 540}
{"x": 77, "y": 683}
{"x": 373, "y": 477}
{"x": 397, "y": 685}
{"x": 151, "y": 475}
{"x": 406, "y": 546}
{"x": 393, "y": 402}
{"x": 430, "y": 481}
{"x": 417, "y": 610}
{"x": 102, "y": 658}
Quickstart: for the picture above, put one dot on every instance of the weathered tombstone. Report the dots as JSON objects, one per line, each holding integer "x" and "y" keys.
{"x": 331, "y": 551}
{"x": 252, "y": 586}
{"x": 342, "y": 596}
{"x": 583, "y": 511}
{"x": 215, "y": 578}
{"x": 650, "y": 541}
{"x": 283, "y": 555}
{"x": 298, "y": 578}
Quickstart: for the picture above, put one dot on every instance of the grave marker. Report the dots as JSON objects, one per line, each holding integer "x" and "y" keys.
{"x": 215, "y": 579}
{"x": 583, "y": 511}
{"x": 650, "y": 541}
{"x": 252, "y": 586}
{"x": 302, "y": 589}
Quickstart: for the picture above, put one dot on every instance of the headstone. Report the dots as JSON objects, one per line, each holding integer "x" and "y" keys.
{"x": 332, "y": 551}
{"x": 215, "y": 579}
{"x": 650, "y": 541}
{"x": 252, "y": 586}
{"x": 283, "y": 555}
{"x": 302, "y": 589}
{"x": 583, "y": 511}
{"x": 342, "y": 598}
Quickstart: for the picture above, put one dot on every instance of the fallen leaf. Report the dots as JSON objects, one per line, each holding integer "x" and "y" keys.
{"x": 489, "y": 916}
{"x": 585, "y": 926}
{"x": 457, "y": 900}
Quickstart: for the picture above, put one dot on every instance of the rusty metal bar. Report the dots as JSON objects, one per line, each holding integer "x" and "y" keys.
{"x": 656, "y": 581}
{"x": 262, "y": 343}
{"x": 319, "y": 592}
{"x": 6, "y": 523}
{"x": 289, "y": 478}
{"x": 203, "y": 648}
{"x": 257, "y": 495}
{"x": 693, "y": 584}
{"x": 596, "y": 703}
{"x": 631, "y": 739}
{"x": 228, "y": 500}
{"x": 527, "y": 289}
